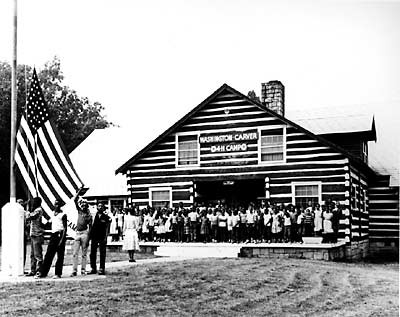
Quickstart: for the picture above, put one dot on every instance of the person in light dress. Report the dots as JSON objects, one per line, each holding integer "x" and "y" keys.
{"x": 131, "y": 239}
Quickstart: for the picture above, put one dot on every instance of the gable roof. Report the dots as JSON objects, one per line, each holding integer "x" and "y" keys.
{"x": 123, "y": 168}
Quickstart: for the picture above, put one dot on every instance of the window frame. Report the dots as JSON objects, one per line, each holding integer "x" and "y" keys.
{"x": 364, "y": 151}
{"x": 260, "y": 130}
{"x": 177, "y": 135}
{"x": 155, "y": 189}
{"x": 294, "y": 184}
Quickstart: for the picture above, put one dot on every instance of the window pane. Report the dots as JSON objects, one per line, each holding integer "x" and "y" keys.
{"x": 306, "y": 190}
{"x": 160, "y": 195}
{"x": 272, "y": 149}
{"x": 271, "y": 140}
{"x": 187, "y": 145}
{"x": 272, "y": 157}
{"x": 188, "y": 150}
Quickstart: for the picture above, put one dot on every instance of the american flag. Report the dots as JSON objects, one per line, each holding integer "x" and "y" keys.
{"x": 40, "y": 154}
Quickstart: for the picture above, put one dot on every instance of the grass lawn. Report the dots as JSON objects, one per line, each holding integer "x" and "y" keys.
{"x": 211, "y": 287}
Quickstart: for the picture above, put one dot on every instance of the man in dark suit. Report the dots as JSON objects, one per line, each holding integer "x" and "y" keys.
{"x": 98, "y": 236}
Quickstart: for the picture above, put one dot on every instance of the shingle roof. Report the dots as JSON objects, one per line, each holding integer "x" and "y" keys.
{"x": 332, "y": 120}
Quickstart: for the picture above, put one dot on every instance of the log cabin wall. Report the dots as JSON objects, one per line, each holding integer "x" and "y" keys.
{"x": 384, "y": 218}
{"x": 359, "y": 205}
{"x": 306, "y": 160}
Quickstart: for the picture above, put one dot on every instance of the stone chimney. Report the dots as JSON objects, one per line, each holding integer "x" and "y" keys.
{"x": 273, "y": 96}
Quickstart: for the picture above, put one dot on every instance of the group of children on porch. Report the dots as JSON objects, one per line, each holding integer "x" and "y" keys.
{"x": 218, "y": 223}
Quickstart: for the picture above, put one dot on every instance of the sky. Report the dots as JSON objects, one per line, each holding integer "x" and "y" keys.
{"x": 150, "y": 62}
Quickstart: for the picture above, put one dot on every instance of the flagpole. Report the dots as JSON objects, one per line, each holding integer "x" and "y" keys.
{"x": 12, "y": 214}
{"x": 13, "y": 107}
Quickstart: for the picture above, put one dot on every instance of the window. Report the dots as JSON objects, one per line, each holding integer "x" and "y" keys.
{"x": 160, "y": 197}
{"x": 272, "y": 145}
{"x": 302, "y": 193}
{"x": 187, "y": 150}
{"x": 365, "y": 151}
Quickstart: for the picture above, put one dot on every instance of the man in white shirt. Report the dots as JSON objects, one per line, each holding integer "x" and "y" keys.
{"x": 57, "y": 241}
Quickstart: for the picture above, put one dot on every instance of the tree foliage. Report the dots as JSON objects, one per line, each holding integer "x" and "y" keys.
{"x": 253, "y": 96}
{"x": 75, "y": 116}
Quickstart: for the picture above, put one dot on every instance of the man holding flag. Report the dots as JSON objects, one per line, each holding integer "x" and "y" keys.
{"x": 34, "y": 215}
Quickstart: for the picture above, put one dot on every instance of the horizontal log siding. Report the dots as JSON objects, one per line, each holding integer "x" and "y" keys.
{"x": 359, "y": 205}
{"x": 307, "y": 159}
{"x": 384, "y": 213}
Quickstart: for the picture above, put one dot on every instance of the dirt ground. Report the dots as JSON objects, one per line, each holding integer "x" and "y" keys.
{"x": 111, "y": 257}
{"x": 211, "y": 287}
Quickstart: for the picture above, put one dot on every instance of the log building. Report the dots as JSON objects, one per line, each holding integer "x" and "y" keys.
{"x": 239, "y": 150}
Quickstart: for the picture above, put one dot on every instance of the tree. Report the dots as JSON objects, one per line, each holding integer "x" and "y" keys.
{"x": 75, "y": 117}
{"x": 252, "y": 95}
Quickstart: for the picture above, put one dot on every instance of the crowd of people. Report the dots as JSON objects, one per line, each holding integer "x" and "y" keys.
{"x": 218, "y": 223}
{"x": 268, "y": 223}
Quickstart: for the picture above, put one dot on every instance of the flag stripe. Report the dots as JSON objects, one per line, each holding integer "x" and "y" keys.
{"x": 29, "y": 178}
{"x": 54, "y": 142}
{"x": 25, "y": 174}
{"x": 64, "y": 154}
{"x": 55, "y": 179}
{"x": 55, "y": 162}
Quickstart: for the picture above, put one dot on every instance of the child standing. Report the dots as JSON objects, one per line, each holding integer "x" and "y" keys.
{"x": 229, "y": 223}
{"x": 287, "y": 223}
{"x": 276, "y": 228}
{"x": 300, "y": 225}
{"x": 235, "y": 226}
{"x": 168, "y": 227}
{"x": 318, "y": 220}
{"x": 204, "y": 227}
{"x": 186, "y": 226}
{"x": 268, "y": 225}
{"x": 180, "y": 224}
{"x": 214, "y": 225}
{"x": 222, "y": 226}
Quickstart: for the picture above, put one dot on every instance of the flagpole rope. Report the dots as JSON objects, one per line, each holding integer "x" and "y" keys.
{"x": 28, "y": 193}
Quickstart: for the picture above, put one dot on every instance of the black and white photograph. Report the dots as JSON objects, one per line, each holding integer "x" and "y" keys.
{"x": 199, "y": 158}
